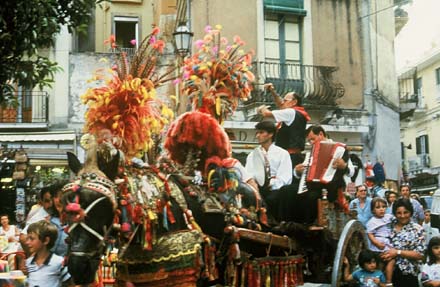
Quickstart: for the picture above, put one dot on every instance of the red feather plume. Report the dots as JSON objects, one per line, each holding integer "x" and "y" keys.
{"x": 197, "y": 132}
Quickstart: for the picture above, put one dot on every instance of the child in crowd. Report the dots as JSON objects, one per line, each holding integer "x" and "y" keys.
{"x": 44, "y": 268}
{"x": 431, "y": 270}
{"x": 379, "y": 232}
{"x": 367, "y": 275}
{"x": 430, "y": 231}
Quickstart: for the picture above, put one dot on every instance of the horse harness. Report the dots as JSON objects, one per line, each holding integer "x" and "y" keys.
{"x": 94, "y": 182}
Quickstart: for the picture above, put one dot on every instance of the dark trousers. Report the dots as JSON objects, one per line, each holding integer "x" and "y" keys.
{"x": 271, "y": 201}
{"x": 402, "y": 280}
{"x": 296, "y": 158}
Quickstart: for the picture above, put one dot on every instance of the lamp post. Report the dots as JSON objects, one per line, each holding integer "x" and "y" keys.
{"x": 182, "y": 43}
{"x": 183, "y": 40}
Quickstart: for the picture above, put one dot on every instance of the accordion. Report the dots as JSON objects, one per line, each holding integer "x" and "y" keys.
{"x": 319, "y": 163}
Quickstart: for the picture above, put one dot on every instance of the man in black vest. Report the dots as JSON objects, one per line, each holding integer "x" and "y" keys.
{"x": 292, "y": 119}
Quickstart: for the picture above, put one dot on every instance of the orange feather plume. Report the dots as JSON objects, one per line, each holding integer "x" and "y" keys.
{"x": 127, "y": 105}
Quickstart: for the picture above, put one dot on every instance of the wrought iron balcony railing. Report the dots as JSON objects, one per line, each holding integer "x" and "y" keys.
{"x": 419, "y": 162}
{"x": 406, "y": 98}
{"x": 314, "y": 83}
{"x": 128, "y": 51}
{"x": 32, "y": 108}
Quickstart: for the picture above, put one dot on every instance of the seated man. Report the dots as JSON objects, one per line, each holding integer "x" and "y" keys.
{"x": 335, "y": 187}
{"x": 269, "y": 165}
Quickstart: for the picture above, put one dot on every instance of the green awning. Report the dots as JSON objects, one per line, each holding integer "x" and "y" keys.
{"x": 295, "y": 7}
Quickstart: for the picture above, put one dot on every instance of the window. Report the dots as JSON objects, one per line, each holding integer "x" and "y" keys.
{"x": 126, "y": 29}
{"x": 437, "y": 76}
{"x": 402, "y": 150}
{"x": 282, "y": 39}
{"x": 418, "y": 92}
{"x": 422, "y": 144}
{"x": 282, "y": 44}
{"x": 437, "y": 84}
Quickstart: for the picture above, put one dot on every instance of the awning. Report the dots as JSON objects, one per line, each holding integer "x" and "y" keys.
{"x": 424, "y": 189}
{"x": 37, "y": 136}
{"x": 295, "y": 7}
{"x": 48, "y": 162}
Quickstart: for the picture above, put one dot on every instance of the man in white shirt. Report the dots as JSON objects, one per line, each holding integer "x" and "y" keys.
{"x": 269, "y": 165}
{"x": 335, "y": 187}
{"x": 38, "y": 212}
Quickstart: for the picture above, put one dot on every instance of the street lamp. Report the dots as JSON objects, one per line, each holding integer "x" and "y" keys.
{"x": 183, "y": 40}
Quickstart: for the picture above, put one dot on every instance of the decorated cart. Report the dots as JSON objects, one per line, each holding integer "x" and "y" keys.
{"x": 182, "y": 216}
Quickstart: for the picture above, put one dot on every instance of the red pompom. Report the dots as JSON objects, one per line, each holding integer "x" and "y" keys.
{"x": 73, "y": 207}
{"x": 125, "y": 227}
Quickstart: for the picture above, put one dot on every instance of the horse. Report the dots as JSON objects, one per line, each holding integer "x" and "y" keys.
{"x": 158, "y": 244}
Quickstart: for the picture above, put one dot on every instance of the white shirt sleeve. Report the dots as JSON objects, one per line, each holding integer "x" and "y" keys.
{"x": 281, "y": 167}
{"x": 351, "y": 168}
{"x": 248, "y": 166}
{"x": 285, "y": 115}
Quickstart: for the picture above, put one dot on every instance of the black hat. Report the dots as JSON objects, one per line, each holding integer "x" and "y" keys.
{"x": 267, "y": 126}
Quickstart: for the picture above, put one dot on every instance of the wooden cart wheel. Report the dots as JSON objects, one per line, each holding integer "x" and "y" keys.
{"x": 353, "y": 239}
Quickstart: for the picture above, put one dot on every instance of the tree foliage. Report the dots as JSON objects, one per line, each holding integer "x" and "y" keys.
{"x": 26, "y": 28}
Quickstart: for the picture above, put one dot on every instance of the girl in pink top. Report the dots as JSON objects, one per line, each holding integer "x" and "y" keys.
{"x": 379, "y": 232}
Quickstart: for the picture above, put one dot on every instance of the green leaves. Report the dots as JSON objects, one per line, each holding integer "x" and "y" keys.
{"x": 29, "y": 25}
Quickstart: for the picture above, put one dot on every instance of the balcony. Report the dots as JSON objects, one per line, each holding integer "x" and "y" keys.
{"x": 31, "y": 113}
{"x": 129, "y": 52}
{"x": 418, "y": 163}
{"x": 315, "y": 84}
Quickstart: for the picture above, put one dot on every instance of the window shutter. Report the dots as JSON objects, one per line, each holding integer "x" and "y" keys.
{"x": 418, "y": 146}
{"x": 426, "y": 144}
{"x": 402, "y": 149}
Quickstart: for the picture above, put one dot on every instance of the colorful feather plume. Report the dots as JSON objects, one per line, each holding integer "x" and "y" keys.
{"x": 127, "y": 105}
{"x": 217, "y": 75}
{"x": 221, "y": 176}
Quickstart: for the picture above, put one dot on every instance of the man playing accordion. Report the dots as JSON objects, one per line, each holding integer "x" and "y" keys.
{"x": 335, "y": 185}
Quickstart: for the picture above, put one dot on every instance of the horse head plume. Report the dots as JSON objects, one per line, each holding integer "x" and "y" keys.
{"x": 103, "y": 159}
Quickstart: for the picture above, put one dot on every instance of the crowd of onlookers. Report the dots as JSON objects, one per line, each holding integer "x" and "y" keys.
{"x": 41, "y": 240}
{"x": 403, "y": 247}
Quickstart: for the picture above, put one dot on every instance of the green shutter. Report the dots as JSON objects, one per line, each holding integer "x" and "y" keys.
{"x": 295, "y": 7}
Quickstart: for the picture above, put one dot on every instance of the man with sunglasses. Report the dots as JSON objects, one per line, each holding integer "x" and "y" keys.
{"x": 361, "y": 205}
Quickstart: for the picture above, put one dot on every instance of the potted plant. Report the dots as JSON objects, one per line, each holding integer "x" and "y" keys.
{"x": 8, "y": 110}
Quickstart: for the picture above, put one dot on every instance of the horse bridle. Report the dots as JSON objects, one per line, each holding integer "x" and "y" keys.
{"x": 98, "y": 184}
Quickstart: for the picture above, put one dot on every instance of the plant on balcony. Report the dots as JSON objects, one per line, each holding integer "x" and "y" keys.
{"x": 127, "y": 105}
{"x": 8, "y": 109}
{"x": 218, "y": 75}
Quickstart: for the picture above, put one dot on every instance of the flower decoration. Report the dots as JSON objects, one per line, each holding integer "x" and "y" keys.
{"x": 127, "y": 104}
{"x": 218, "y": 75}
